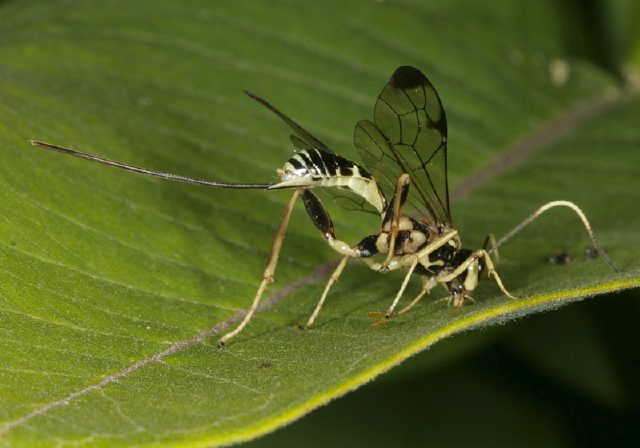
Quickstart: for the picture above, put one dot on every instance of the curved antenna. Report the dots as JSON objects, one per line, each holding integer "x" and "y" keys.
{"x": 136, "y": 169}
{"x": 543, "y": 209}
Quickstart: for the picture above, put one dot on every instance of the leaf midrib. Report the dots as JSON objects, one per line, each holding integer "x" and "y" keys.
{"x": 553, "y": 131}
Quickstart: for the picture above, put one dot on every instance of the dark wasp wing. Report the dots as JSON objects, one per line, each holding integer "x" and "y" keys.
{"x": 409, "y": 135}
{"x": 304, "y": 140}
{"x": 306, "y": 136}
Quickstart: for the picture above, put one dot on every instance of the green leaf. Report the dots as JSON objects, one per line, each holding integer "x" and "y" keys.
{"x": 115, "y": 286}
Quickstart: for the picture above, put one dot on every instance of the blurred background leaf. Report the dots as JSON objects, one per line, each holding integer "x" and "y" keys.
{"x": 102, "y": 271}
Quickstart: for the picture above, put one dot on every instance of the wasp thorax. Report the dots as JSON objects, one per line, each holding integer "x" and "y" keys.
{"x": 412, "y": 241}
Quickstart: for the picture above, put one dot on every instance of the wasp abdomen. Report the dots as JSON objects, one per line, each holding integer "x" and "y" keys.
{"x": 316, "y": 168}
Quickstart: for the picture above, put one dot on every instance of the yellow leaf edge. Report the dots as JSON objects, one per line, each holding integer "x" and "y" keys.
{"x": 498, "y": 314}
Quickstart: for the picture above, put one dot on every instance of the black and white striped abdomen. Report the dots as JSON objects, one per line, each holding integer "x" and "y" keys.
{"x": 329, "y": 169}
{"x": 316, "y": 168}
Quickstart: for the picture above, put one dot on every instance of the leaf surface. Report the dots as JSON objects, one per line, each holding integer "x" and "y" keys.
{"x": 114, "y": 287}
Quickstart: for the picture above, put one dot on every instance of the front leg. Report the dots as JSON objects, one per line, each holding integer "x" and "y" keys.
{"x": 463, "y": 279}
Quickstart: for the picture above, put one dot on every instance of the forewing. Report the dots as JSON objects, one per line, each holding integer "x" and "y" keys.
{"x": 303, "y": 134}
{"x": 409, "y": 135}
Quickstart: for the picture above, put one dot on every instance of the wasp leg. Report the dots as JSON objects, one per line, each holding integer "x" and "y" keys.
{"x": 392, "y": 216}
{"x": 427, "y": 285}
{"x": 407, "y": 260}
{"x": 464, "y": 266}
{"x": 457, "y": 301}
{"x": 334, "y": 278}
{"x": 389, "y": 312}
{"x": 269, "y": 270}
{"x": 415, "y": 259}
{"x": 491, "y": 270}
{"x": 321, "y": 219}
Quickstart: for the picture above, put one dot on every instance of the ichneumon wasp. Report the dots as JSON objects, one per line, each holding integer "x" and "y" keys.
{"x": 403, "y": 178}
